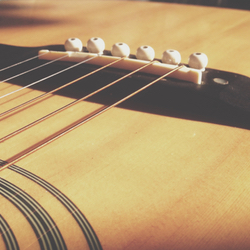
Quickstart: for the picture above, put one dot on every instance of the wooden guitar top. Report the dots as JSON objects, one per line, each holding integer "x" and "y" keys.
{"x": 132, "y": 178}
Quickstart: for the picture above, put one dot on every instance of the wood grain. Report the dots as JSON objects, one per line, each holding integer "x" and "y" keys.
{"x": 143, "y": 181}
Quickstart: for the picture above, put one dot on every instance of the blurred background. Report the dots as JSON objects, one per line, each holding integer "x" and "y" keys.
{"x": 238, "y": 4}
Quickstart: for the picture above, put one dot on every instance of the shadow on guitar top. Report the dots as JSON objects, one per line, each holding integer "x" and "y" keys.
{"x": 209, "y": 102}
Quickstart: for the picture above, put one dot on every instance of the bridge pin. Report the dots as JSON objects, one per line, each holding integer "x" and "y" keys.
{"x": 95, "y": 45}
{"x": 120, "y": 50}
{"x": 73, "y": 44}
{"x": 171, "y": 56}
{"x": 145, "y": 53}
{"x": 198, "y": 61}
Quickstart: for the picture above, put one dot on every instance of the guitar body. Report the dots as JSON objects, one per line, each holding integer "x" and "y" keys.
{"x": 141, "y": 175}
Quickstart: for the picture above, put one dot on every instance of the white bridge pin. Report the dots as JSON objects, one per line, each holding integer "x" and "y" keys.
{"x": 95, "y": 45}
{"x": 73, "y": 44}
{"x": 145, "y": 53}
{"x": 120, "y": 50}
{"x": 171, "y": 56}
{"x": 198, "y": 61}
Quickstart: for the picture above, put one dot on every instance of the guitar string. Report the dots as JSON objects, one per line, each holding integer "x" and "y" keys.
{"x": 47, "y": 141}
{"x": 26, "y": 60}
{"x": 56, "y": 89}
{"x": 4, "y": 138}
{"x": 25, "y": 72}
{"x": 92, "y": 117}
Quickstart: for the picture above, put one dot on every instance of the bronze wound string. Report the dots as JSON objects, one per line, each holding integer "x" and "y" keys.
{"x": 56, "y": 89}
{"x": 74, "y": 102}
{"x": 18, "y": 157}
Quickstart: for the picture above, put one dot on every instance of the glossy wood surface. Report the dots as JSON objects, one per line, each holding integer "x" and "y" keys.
{"x": 143, "y": 181}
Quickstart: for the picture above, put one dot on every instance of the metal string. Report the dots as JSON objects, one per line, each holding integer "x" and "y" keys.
{"x": 25, "y": 72}
{"x": 24, "y": 154}
{"x": 54, "y": 90}
{"x": 26, "y": 60}
{"x": 72, "y": 103}
{"x": 12, "y": 161}
{"x": 46, "y": 142}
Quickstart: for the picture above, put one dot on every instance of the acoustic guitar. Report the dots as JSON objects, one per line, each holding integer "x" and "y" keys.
{"x": 167, "y": 168}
